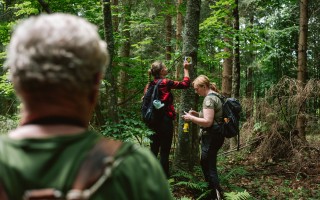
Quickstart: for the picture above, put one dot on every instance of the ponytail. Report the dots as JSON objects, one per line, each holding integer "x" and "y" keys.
{"x": 213, "y": 87}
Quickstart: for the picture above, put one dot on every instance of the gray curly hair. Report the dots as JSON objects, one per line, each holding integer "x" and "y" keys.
{"x": 56, "y": 50}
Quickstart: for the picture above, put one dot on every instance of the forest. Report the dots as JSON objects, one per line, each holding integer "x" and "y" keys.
{"x": 266, "y": 53}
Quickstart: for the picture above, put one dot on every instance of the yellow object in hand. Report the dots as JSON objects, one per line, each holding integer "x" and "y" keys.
{"x": 185, "y": 127}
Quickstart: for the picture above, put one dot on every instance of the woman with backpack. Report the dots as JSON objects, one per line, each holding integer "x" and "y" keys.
{"x": 211, "y": 140}
{"x": 161, "y": 140}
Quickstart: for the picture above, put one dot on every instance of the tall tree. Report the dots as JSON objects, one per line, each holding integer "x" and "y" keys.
{"x": 178, "y": 33}
{"x": 302, "y": 61}
{"x": 228, "y": 60}
{"x": 112, "y": 110}
{"x": 236, "y": 71}
{"x": 249, "y": 75}
{"x": 227, "y": 67}
{"x": 125, "y": 49}
{"x": 168, "y": 23}
{"x": 188, "y": 144}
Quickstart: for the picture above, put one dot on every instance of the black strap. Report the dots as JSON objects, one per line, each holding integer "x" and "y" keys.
{"x": 155, "y": 88}
{"x": 222, "y": 99}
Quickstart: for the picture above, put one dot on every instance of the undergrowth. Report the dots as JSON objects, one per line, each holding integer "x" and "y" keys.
{"x": 191, "y": 185}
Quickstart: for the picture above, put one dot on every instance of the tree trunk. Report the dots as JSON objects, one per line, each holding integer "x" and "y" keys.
{"x": 227, "y": 71}
{"x": 115, "y": 18}
{"x": 249, "y": 78}
{"x": 227, "y": 78}
{"x": 178, "y": 35}
{"x": 187, "y": 154}
{"x": 236, "y": 71}
{"x": 236, "y": 67}
{"x": 111, "y": 97}
{"x": 302, "y": 62}
{"x": 227, "y": 64}
{"x": 125, "y": 51}
{"x": 168, "y": 23}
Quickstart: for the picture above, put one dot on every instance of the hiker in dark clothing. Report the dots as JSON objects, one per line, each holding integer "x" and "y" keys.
{"x": 211, "y": 140}
{"x": 161, "y": 140}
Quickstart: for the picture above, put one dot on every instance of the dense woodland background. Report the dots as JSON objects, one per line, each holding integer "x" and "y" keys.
{"x": 266, "y": 53}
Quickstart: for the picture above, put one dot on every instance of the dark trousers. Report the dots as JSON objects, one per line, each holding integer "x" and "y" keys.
{"x": 210, "y": 145}
{"x": 161, "y": 141}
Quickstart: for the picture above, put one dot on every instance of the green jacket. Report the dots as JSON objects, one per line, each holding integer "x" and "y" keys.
{"x": 53, "y": 163}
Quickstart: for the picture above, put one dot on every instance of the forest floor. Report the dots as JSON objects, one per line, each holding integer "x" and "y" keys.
{"x": 281, "y": 179}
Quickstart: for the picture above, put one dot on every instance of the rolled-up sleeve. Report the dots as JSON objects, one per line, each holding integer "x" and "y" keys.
{"x": 185, "y": 83}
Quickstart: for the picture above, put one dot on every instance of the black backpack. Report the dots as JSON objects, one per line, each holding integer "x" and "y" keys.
{"x": 231, "y": 109}
{"x": 150, "y": 115}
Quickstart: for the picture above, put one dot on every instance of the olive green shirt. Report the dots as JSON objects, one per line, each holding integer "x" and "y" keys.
{"x": 53, "y": 163}
{"x": 213, "y": 102}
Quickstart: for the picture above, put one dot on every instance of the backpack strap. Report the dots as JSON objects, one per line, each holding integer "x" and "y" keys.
{"x": 222, "y": 99}
{"x": 155, "y": 88}
{"x": 93, "y": 172}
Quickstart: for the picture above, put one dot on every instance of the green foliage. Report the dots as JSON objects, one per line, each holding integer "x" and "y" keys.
{"x": 244, "y": 195}
{"x": 233, "y": 173}
{"x": 7, "y": 123}
{"x": 6, "y": 88}
{"x": 128, "y": 129}
{"x": 260, "y": 127}
{"x": 184, "y": 198}
{"x": 199, "y": 186}
{"x": 194, "y": 182}
{"x": 191, "y": 181}
{"x": 4, "y": 36}
{"x": 25, "y": 9}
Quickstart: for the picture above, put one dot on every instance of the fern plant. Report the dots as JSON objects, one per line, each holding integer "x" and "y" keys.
{"x": 185, "y": 179}
{"x": 233, "y": 173}
{"x": 244, "y": 195}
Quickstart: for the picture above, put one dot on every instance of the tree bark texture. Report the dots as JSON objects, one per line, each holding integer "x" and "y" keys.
{"x": 178, "y": 35}
{"x": 227, "y": 71}
{"x": 115, "y": 18}
{"x": 111, "y": 96}
{"x": 236, "y": 71}
{"x": 249, "y": 77}
{"x": 187, "y": 154}
{"x": 168, "y": 23}
{"x": 302, "y": 62}
{"x": 125, "y": 51}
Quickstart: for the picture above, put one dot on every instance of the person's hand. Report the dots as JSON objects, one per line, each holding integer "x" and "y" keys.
{"x": 186, "y": 64}
{"x": 192, "y": 112}
{"x": 187, "y": 116}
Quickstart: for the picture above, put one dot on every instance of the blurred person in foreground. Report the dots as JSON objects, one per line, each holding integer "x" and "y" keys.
{"x": 56, "y": 63}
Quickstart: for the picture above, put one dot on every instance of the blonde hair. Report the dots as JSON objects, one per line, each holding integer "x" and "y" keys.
{"x": 202, "y": 81}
